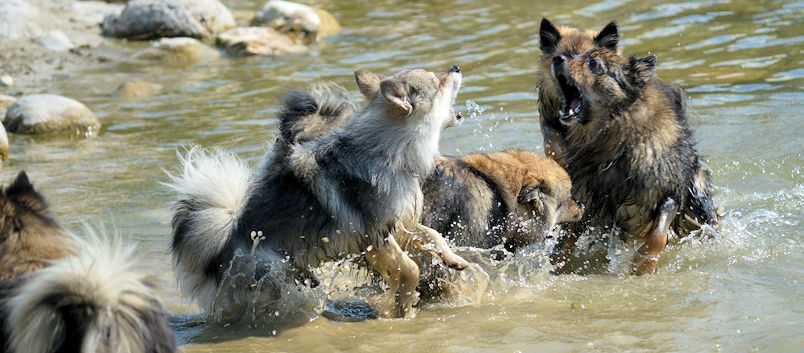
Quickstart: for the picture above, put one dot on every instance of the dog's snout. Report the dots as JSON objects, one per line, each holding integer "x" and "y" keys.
{"x": 455, "y": 69}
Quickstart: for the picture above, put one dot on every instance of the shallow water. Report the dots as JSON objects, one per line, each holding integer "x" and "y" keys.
{"x": 739, "y": 61}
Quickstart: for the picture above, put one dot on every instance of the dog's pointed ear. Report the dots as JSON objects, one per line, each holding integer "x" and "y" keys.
{"x": 21, "y": 185}
{"x": 548, "y": 36}
{"x": 397, "y": 97}
{"x": 608, "y": 37}
{"x": 368, "y": 82}
{"x": 642, "y": 69}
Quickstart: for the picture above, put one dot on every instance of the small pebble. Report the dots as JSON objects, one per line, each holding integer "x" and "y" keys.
{"x": 6, "y": 81}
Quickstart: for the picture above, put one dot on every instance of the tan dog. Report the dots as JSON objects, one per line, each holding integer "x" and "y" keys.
{"x": 513, "y": 198}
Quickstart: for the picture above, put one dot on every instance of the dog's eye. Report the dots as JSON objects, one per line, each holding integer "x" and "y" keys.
{"x": 594, "y": 65}
{"x": 414, "y": 91}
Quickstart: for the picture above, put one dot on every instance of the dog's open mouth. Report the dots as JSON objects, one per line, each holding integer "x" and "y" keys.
{"x": 455, "y": 78}
{"x": 572, "y": 100}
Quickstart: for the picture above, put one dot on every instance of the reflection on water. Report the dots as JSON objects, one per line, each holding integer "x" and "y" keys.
{"x": 740, "y": 62}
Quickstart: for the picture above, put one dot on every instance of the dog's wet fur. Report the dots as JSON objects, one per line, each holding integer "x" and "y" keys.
{"x": 59, "y": 293}
{"x": 353, "y": 191}
{"x": 625, "y": 139}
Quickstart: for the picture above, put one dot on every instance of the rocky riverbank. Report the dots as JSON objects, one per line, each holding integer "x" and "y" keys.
{"x": 42, "y": 41}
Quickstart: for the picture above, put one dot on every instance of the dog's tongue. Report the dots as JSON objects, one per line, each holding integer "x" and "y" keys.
{"x": 576, "y": 103}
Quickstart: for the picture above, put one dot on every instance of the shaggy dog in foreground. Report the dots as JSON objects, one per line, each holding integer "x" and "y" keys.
{"x": 355, "y": 191}
{"x": 624, "y": 137}
{"x": 59, "y": 293}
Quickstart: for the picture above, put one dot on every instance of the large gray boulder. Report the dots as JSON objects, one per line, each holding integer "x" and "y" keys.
{"x": 48, "y": 113}
{"x": 149, "y": 19}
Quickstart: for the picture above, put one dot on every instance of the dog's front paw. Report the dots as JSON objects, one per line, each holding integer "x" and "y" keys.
{"x": 455, "y": 262}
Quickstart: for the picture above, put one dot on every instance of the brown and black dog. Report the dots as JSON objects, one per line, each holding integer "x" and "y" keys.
{"x": 624, "y": 137}
{"x": 59, "y": 293}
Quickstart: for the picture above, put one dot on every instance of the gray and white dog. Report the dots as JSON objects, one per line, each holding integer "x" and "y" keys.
{"x": 353, "y": 191}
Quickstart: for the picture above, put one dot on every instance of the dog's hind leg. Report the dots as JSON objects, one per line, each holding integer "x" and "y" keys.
{"x": 399, "y": 272}
{"x": 648, "y": 254}
{"x": 432, "y": 240}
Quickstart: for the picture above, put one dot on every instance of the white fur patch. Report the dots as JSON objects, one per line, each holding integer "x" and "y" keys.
{"x": 218, "y": 182}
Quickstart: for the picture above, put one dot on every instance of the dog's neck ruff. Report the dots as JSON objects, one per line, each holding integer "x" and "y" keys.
{"x": 395, "y": 148}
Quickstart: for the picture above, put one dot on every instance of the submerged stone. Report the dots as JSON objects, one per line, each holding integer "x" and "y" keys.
{"x": 178, "y": 51}
{"x": 137, "y": 89}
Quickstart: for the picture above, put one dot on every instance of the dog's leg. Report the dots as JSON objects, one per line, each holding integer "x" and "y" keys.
{"x": 399, "y": 272}
{"x": 560, "y": 255}
{"x": 648, "y": 254}
{"x": 432, "y": 240}
{"x": 554, "y": 144}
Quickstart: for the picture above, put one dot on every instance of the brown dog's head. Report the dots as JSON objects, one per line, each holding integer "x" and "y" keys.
{"x": 547, "y": 191}
{"x": 583, "y": 73}
{"x": 21, "y": 207}
{"x": 415, "y": 95}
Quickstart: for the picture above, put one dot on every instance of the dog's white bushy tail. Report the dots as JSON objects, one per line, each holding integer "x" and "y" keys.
{"x": 93, "y": 301}
{"x": 211, "y": 188}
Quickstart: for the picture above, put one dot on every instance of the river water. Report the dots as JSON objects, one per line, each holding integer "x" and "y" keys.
{"x": 741, "y": 62}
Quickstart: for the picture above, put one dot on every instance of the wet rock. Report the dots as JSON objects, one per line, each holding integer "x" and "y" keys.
{"x": 178, "y": 51}
{"x": 148, "y": 19}
{"x": 137, "y": 89}
{"x": 55, "y": 41}
{"x": 18, "y": 20}
{"x": 5, "y": 102}
{"x": 6, "y": 81}
{"x": 246, "y": 41}
{"x": 290, "y": 17}
{"x": 46, "y": 113}
{"x": 349, "y": 311}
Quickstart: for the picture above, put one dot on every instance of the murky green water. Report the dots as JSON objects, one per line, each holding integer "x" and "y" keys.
{"x": 742, "y": 63}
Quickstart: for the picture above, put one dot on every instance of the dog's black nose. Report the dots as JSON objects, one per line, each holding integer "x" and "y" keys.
{"x": 454, "y": 68}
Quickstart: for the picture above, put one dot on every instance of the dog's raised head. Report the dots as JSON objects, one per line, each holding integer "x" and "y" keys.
{"x": 600, "y": 83}
{"x": 547, "y": 191}
{"x": 415, "y": 95}
{"x": 583, "y": 73}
